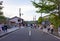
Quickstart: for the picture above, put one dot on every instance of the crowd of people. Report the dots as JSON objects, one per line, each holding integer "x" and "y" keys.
{"x": 49, "y": 27}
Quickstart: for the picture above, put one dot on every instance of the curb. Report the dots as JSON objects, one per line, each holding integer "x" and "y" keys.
{"x": 7, "y": 33}
{"x": 53, "y": 35}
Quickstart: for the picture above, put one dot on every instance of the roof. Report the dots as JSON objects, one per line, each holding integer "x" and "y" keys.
{"x": 16, "y": 17}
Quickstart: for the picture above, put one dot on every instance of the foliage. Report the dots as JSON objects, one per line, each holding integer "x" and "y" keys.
{"x": 54, "y": 19}
{"x": 40, "y": 19}
{"x": 44, "y": 6}
{"x": 2, "y": 19}
{"x": 49, "y": 6}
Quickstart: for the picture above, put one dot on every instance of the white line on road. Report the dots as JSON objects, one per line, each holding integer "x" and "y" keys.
{"x": 30, "y": 33}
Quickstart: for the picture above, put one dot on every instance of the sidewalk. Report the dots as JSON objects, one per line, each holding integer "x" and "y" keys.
{"x": 8, "y": 31}
{"x": 57, "y": 36}
{"x": 54, "y": 33}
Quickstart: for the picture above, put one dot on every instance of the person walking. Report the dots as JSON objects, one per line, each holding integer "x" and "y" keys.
{"x": 48, "y": 28}
{"x": 5, "y": 27}
{"x": 0, "y": 27}
{"x": 51, "y": 27}
{"x": 31, "y": 25}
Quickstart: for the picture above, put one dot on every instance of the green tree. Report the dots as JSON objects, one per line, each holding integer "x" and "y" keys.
{"x": 57, "y": 3}
{"x": 2, "y": 19}
{"x": 44, "y": 6}
{"x": 39, "y": 20}
{"x": 49, "y": 7}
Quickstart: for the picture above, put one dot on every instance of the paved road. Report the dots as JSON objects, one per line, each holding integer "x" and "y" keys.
{"x": 28, "y": 34}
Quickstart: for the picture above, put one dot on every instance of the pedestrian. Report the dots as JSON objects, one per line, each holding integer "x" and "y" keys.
{"x": 5, "y": 27}
{"x": 40, "y": 26}
{"x": 51, "y": 27}
{"x": 34, "y": 25}
{"x": 43, "y": 24}
{"x": 31, "y": 25}
{"x": 48, "y": 28}
{"x": 0, "y": 26}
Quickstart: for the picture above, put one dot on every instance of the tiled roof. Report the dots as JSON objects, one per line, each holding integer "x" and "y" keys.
{"x": 16, "y": 17}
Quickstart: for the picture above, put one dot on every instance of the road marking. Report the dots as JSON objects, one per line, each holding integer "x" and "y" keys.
{"x": 30, "y": 33}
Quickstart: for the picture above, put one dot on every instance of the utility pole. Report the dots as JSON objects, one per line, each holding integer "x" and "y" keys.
{"x": 34, "y": 18}
{"x": 20, "y": 14}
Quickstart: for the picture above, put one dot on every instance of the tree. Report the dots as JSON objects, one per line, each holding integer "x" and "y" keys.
{"x": 57, "y": 3}
{"x": 1, "y": 7}
{"x": 44, "y": 6}
{"x": 2, "y": 18}
{"x": 49, "y": 7}
{"x": 39, "y": 20}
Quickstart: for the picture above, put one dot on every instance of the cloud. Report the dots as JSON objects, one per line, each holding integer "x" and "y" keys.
{"x": 11, "y": 11}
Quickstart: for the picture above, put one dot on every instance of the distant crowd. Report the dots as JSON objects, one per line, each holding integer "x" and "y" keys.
{"x": 43, "y": 25}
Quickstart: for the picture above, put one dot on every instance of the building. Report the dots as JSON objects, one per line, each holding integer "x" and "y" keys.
{"x": 16, "y": 21}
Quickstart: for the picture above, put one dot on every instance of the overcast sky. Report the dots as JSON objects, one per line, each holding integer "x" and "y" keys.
{"x": 11, "y": 9}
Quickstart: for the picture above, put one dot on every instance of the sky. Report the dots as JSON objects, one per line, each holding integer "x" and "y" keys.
{"x": 11, "y": 9}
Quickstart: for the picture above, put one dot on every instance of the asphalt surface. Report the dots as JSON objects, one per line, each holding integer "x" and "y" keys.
{"x": 28, "y": 34}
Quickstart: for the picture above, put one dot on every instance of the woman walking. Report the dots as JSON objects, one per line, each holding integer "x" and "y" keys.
{"x": 51, "y": 27}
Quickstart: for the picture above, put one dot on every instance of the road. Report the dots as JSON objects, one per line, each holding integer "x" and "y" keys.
{"x": 28, "y": 34}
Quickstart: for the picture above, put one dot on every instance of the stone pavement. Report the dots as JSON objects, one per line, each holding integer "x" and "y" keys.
{"x": 2, "y": 33}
